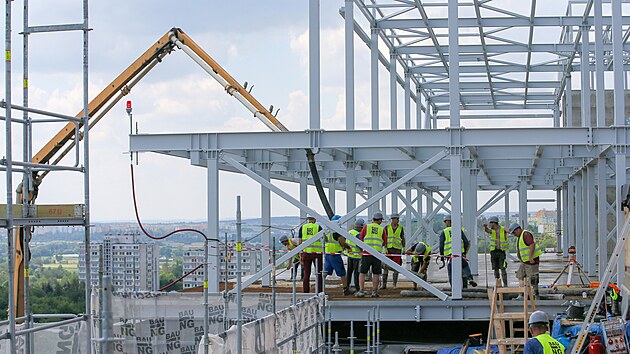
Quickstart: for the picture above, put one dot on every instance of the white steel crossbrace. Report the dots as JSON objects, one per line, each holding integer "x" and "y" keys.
{"x": 335, "y": 225}
{"x": 610, "y": 270}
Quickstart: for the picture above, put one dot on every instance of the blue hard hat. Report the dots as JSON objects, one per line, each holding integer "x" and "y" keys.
{"x": 336, "y": 217}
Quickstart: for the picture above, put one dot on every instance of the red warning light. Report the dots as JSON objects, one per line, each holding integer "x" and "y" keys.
{"x": 128, "y": 104}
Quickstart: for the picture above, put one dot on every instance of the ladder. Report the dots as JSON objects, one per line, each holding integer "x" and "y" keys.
{"x": 502, "y": 323}
{"x": 601, "y": 291}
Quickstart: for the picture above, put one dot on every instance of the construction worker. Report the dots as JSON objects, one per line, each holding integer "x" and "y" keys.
{"x": 354, "y": 255}
{"x": 420, "y": 261}
{"x": 541, "y": 342}
{"x": 375, "y": 236}
{"x": 528, "y": 252}
{"x": 291, "y": 243}
{"x": 311, "y": 254}
{"x": 335, "y": 245}
{"x": 395, "y": 246}
{"x": 447, "y": 251}
{"x": 498, "y": 247}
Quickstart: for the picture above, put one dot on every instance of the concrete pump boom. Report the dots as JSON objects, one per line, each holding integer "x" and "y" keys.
{"x": 64, "y": 141}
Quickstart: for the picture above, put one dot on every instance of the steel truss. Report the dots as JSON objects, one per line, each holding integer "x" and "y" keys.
{"x": 457, "y": 61}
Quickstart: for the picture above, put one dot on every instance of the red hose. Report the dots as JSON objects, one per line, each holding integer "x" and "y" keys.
{"x": 180, "y": 278}
{"x": 135, "y": 206}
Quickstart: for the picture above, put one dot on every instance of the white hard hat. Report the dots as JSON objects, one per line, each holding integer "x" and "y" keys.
{"x": 395, "y": 216}
{"x": 493, "y": 219}
{"x": 447, "y": 217}
{"x": 514, "y": 226}
{"x": 284, "y": 238}
{"x": 377, "y": 216}
{"x": 538, "y": 317}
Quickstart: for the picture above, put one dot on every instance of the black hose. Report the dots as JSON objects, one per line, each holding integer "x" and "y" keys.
{"x": 318, "y": 183}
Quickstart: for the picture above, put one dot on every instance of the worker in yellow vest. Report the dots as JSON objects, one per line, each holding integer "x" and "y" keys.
{"x": 541, "y": 342}
{"x": 420, "y": 261}
{"x": 446, "y": 250}
{"x": 335, "y": 245}
{"x": 291, "y": 243}
{"x": 354, "y": 255}
{"x": 311, "y": 254}
{"x": 375, "y": 236}
{"x": 498, "y": 247}
{"x": 395, "y": 245}
{"x": 528, "y": 252}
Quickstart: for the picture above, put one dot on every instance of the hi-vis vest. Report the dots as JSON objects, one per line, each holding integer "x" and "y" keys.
{"x": 309, "y": 230}
{"x": 448, "y": 247}
{"x": 394, "y": 239}
{"x": 332, "y": 246}
{"x": 550, "y": 345}
{"x": 415, "y": 259}
{"x": 374, "y": 236}
{"x": 354, "y": 251}
{"x": 524, "y": 249}
{"x": 291, "y": 246}
{"x": 503, "y": 241}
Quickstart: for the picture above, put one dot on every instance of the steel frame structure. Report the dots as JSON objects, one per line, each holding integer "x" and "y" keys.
{"x": 505, "y": 69}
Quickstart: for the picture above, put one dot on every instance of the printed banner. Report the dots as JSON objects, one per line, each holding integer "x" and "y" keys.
{"x": 296, "y": 326}
{"x": 155, "y": 323}
{"x": 67, "y": 339}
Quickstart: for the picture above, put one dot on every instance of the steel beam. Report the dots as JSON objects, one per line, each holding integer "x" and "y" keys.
{"x": 504, "y": 22}
{"x": 419, "y": 310}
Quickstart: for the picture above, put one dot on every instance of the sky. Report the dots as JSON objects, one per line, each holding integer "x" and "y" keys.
{"x": 265, "y": 45}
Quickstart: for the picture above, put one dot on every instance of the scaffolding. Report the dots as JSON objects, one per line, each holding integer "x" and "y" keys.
{"x": 22, "y": 213}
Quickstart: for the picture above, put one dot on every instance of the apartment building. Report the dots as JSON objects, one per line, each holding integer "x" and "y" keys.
{"x": 132, "y": 263}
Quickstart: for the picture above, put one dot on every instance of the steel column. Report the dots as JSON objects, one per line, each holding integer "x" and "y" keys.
{"x": 374, "y": 189}
{"x": 332, "y": 196}
{"x": 349, "y": 60}
{"x": 456, "y": 167}
{"x": 602, "y": 213}
{"x": 522, "y": 204}
{"x": 619, "y": 104}
{"x": 506, "y": 209}
{"x": 559, "y": 219}
{"x": 393, "y": 88}
{"x": 579, "y": 218}
{"x": 303, "y": 194}
{"x": 565, "y": 220}
{"x": 572, "y": 213}
{"x": 313, "y": 66}
{"x": 469, "y": 182}
{"x": 265, "y": 209}
{"x": 374, "y": 75}
{"x": 351, "y": 196}
{"x": 456, "y": 223}
{"x": 568, "y": 94}
{"x": 585, "y": 85}
{"x": 427, "y": 114}
{"x": 408, "y": 100}
{"x": 408, "y": 213}
{"x": 599, "y": 65}
{"x": 591, "y": 239}
{"x": 214, "y": 269}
